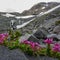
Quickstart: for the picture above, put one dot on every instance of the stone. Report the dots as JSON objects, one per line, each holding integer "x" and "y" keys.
{"x": 57, "y": 29}
{"x": 33, "y": 38}
{"x": 23, "y": 38}
{"x": 16, "y": 54}
{"x": 54, "y": 36}
{"x": 41, "y": 33}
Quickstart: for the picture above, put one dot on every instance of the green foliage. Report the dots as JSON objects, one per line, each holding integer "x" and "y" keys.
{"x": 11, "y": 34}
{"x": 57, "y": 22}
{"x": 13, "y": 44}
{"x": 14, "y": 34}
{"x": 55, "y": 54}
{"x": 17, "y": 34}
{"x": 12, "y": 37}
{"x": 26, "y": 49}
{"x": 5, "y": 43}
{"x": 10, "y": 31}
{"x": 48, "y": 50}
{"x": 42, "y": 52}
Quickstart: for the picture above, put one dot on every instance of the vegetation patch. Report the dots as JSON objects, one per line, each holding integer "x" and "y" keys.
{"x": 29, "y": 47}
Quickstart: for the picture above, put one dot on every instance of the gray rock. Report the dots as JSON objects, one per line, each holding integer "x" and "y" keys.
{"x": 57, "y": 29}
{"x": 41, "y": 33}
{"x": 6, "y": 54}
{"x": 55, "y": 36}
{"x": 23, "y": 38}
{"x": 33, "y": 38}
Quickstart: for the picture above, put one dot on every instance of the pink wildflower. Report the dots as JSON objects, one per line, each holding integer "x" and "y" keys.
{"x": 26, "y": 42}
{"x": 2, "y": 37}
{"x": 33, "y": 45}
{"x": 48, "y": 41}
{"x": 56, "y": 47}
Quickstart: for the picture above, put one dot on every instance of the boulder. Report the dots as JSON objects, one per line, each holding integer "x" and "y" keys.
{"x": 39, "y": 35}
{"x": 33, "y": 38}
{"x": 16, "y": 54}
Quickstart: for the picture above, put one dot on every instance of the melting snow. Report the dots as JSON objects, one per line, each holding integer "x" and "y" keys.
{"x": 25, "y": 17}
{"x": 8, "y": 15}
{"x": 17, "y": 17}
{"x": 43, "y": 8}
{"x": 24, "y": 24}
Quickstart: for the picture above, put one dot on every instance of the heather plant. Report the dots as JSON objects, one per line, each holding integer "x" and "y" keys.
{"x": 30, "y": 47}
{"x": 3, "y": 37}
{"x": 56, "y": 50}
{"x": 17, "y": 34}
{"x": 14, "y": 34}
{"x": 48, "y": 42}
{"x": 13, "y": 44}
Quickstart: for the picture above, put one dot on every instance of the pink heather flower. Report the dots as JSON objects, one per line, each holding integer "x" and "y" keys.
{"x": 26, "y": 42}
{"x": 36, "y": 44}
{"x": 33, "y": 45}
{"x": 5, "y": 34}
{"x": 56, "y": 44}
{"x": 2, "y": 37}
{"x": 49, "y": 41}
{"x": 56, "y": 47}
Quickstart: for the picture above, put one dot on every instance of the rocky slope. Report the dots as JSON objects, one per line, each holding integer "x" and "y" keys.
{"x": 40, "y": 7}
{"x": 6, "y": 17}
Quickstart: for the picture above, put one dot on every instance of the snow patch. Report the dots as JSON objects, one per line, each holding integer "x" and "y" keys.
{"x": 8, "y": 15}
{"x": 24, "y": 17}
{"x": 43, "y": 8}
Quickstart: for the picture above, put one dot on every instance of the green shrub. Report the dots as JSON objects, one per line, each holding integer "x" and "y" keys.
{"x": 13, "y": 44}
{"x": 14, "y": 34}
{"x": 42, "y": 52}
{"x": 27, "y": 49}
{"x": 17, "y": 34}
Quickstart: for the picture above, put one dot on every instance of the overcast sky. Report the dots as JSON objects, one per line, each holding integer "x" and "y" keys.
{"x": 20, "y": 5}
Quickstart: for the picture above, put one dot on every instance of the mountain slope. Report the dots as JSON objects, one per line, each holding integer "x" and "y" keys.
{"x": 40, "y": 7}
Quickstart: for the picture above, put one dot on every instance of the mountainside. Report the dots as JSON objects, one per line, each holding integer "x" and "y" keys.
{"x": 40, "y": 7}
{"x": 6, "y": 17}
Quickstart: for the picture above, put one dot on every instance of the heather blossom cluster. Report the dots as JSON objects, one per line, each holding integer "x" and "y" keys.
{"x": 49, "y": 41}
{"x": 33, "y": 45}
{"x": 56, "y": 47}
{"x": 3, "y": 36}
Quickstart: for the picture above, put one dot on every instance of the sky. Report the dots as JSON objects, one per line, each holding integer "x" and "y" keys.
{"x": 19, "y": 5}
